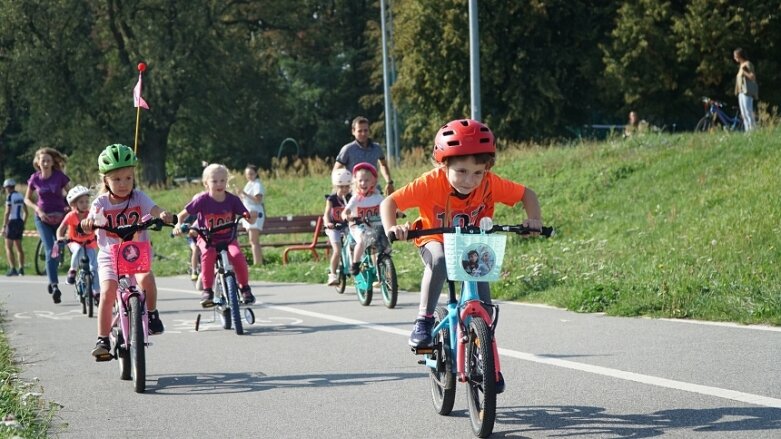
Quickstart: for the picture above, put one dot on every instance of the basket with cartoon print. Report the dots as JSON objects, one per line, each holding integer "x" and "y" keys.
{"x": 474, "y": 257}
{"x": 131, "y": 257}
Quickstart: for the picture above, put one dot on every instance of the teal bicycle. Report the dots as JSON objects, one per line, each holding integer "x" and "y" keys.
{"x": 464, "y": 347}
{"x": 382, "y": 271}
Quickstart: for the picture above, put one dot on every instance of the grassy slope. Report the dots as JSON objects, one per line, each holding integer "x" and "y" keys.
{"x": 671, "y": 225}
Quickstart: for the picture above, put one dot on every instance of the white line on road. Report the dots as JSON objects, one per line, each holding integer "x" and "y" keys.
{"x": 583, "y": 367}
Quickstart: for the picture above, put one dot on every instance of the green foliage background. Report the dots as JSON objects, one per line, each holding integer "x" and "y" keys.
{"x": 229, "y": 80}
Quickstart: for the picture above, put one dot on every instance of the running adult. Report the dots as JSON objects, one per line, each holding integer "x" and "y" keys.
{"x": 48, "y": 185}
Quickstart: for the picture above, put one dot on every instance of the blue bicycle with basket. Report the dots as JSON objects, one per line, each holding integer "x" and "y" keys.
{"x": 464, "y": 347}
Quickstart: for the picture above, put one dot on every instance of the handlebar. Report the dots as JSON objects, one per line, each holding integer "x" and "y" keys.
{"x": 206, "y": 233}
{"x": 127, "y": 231}
{"x": 518, "y": 229}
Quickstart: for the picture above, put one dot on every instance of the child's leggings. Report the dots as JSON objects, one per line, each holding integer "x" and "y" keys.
{"x": 209, "y": 258}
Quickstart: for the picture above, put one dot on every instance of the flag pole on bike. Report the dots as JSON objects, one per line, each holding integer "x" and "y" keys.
{"x": 139, "y": 103}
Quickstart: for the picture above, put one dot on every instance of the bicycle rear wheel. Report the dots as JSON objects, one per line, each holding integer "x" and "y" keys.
{"x": 389, "y": 284}
{"x": 442, "y": 378}
{"x": 40, "y": 259}
{"x": 137, "y": 346}
{"x": 481, "y": 378}
{"x": 232, "y": 290}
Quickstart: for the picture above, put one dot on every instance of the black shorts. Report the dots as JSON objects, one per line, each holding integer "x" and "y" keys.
{"x": 14, "y": 230}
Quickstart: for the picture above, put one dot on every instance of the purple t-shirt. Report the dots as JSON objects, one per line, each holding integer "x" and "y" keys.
{"x": 50, "y": 197}
{"x": 211, "y": 212}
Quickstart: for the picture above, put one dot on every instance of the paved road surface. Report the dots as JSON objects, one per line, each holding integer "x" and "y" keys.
{"x": 318, "y": 365}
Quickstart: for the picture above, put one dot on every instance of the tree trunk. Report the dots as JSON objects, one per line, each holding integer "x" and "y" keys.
{"x": 152, "y": 155}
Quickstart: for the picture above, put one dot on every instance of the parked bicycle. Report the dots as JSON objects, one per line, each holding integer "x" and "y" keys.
{"x": 464, "y": 347}
{"x": 376, "y": 265}
{"x": 40, "y": 257}
{"x": 84, "y": 275}
{"x": 716, "y": 117}
{"x": 130, "y": 327}
{"x": 226, "y": 288}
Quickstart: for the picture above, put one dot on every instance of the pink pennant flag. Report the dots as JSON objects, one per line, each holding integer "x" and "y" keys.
{"x": 138, "y": 101}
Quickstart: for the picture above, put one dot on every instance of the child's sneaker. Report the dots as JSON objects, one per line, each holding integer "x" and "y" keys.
{"x": 21, "y": 271}
{"x": 193, "y": 275}
{"x": 56, "y": 294}
{"x": 355, "y": 268}
{"x": 155, "y": 324}
{"x": 12, "y": 272}
{"x": 376, "y": 284}
{"x": 333, "y": 279}
{"x": 500, "y": 384}
{"x": 102, "y": 350}
{"x": 207, "y": 298}
{"x": 421, "y": 333}
{"x": 71, "y": 280}
{"x": 246, "y": 295}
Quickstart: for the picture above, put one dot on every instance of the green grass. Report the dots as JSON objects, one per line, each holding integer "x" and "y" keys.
{"x": 681, "y": 226}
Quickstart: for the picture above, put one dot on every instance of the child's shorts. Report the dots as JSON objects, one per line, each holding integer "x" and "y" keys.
{"x": 14, "y": 230}
{"x": 334, "y": 235}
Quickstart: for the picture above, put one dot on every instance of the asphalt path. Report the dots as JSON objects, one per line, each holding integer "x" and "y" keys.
{"x": 319, "y": 365}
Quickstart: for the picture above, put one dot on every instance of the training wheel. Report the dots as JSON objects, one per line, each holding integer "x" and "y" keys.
{"x": 197, "y": 322}
{"x": 249, "y": 315}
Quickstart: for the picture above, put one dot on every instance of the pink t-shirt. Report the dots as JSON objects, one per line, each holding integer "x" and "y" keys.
{"x": 125, "y": 212}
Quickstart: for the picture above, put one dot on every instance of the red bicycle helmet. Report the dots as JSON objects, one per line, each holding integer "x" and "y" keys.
{"x": 364, "y": 166}
{"x": 463, "y": 137}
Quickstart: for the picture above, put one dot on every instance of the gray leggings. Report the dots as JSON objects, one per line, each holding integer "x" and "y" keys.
{"x": 434, "y": 277}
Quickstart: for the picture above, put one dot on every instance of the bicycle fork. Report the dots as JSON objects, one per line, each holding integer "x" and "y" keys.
{"x": 474, "y": 309}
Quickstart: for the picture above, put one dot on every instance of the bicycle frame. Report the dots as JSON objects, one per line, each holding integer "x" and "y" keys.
{"x": 459, "y": 312}
{"x": 716, "y": 110}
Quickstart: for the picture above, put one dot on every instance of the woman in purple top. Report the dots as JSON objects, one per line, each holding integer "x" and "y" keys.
{"x": 50, "y": 186}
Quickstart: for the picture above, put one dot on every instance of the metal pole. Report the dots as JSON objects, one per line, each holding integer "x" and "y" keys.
{"x": 386, "y": 86}
{"x": 474, "y": 60}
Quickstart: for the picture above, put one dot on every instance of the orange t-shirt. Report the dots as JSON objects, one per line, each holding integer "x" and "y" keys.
{"x": 72, "y": 220}
{"x": 434, "y": 197}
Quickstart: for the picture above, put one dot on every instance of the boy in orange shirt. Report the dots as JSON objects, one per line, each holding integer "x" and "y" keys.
{"x": 458, "y": 192}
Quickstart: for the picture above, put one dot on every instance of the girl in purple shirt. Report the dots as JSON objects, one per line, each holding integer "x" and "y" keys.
{"x": 49, "y": 184}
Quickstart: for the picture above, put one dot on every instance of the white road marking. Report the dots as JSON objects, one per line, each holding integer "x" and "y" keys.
{"x": 598, "y": 370}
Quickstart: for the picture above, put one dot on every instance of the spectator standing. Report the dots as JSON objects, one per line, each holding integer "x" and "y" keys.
{"x": 48, "y": 184}
{"x": 252, "y": 196}
{"x": 364, "y": 150}
{"x": 13, "y": 227}
{"x": 746, "y": 88}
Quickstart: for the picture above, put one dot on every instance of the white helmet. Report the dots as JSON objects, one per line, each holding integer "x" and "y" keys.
{"x": 76, "y": 192}
{"x": 341, "y": 177}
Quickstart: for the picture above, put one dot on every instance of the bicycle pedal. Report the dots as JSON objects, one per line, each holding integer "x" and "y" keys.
{"x": 104, "y": 357}
{"x": 422, "y": 350}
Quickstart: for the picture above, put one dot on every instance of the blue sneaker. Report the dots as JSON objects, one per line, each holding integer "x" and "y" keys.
{"x": 421, "y": 333}
{"x": 12, "y": 272}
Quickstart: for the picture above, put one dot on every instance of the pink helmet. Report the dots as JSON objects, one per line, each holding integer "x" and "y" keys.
{"x": 463, "y": 137}
{"x": 365, "y": 166}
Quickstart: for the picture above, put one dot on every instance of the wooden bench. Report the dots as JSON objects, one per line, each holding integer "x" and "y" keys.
{"x": 295, "y": 224}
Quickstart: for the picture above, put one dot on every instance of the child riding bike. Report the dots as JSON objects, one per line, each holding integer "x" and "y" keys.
{"x": 364, "y": 204}
{"x": 334, "y": 205}
{"x": 213, "y": 207}
{"x": 458, "y": 192}
{"x": 78, "y": 200}
{"x": 120, "y": 204}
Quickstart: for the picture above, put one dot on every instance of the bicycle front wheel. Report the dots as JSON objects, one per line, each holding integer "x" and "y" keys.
{"x": 442, "y": 378}
{"x": 137, "y": 346}
{"x": 389, "y": 284}
{"x": 88, "y": 297}
{"x": 232, "y": 290}
{"x": 481, "y": 378}
{"x": 704, "y": 124}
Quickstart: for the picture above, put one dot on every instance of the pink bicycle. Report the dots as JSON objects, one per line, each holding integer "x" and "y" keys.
{"x": 130, "y": 327}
